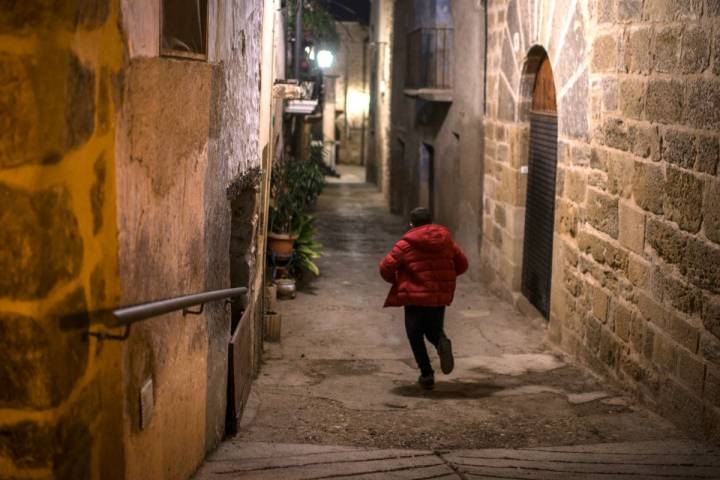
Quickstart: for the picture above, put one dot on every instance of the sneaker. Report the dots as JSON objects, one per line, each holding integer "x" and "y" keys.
{"x": 427, "y": 382}
{"x": 444, "y": 348}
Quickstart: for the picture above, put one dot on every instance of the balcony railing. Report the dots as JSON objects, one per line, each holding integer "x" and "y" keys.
{"x": 429, "y": 61}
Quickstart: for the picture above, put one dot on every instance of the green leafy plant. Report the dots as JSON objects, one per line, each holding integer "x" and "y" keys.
{"x": 295, "y": 186}
{"x": 317, "y": 20}
{"x": 307, "y": 249}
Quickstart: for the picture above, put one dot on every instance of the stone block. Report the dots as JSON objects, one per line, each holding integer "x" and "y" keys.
{"x": 716, "y": 52}
{"x": 711, "y": 390}
{"x": 667, "y": 49}
{"x": 701, "y": 265}
{"x": 630, "y": 10}
{"x": 598, "y": 180}
{"x": 610, "y": 94}
{"x": 645, "y": 140}
{"x": 683, "y": 332}
{"x": 598, "y": 159}
{"x": 711, "y": 314}
{"x": 690, "y": 371}
{"x": 42, "y": 246}
{"x": 600, "y": 301}
{"x": 602, "y": 251}
{"x": 664, "y": 353}
{"x": 664, "y": 101}
{"x": 615, "y": 134}
{"x": 632, "y": 227}
{"x": 649, "y": 186}
{"x": 669, "y": 243}
{"x": 680, "y": 295}
{"x": 609, "y": 352}
{"x": 566, "y": 215}
{"x": 620, "y": 168}
{"x": 678, "y": 148}
{"x": 79, "y": 103}
{"x": 639, "y": 272}
{"x": 703, "y": 104}
{"x": 604, "y": 11}
{"x": 647, "y": 338}
{"x": 593, "y": 333}
{"x": 695, "y": 49}
{"x": 622, "y": 320}
{"x": 632, "y": 97}
{"x": 602, "y": 212}
{"x": 708, "y": 152}
{"x": 711, "y": 209}
{"x": 605, "y": 52}
{"x": 683, "y": 199}
{"x": 668, "y": 10}
{"x": 97, "y": 193}
{"x": 652, "y": 311}
{"x": 575, "y": 185}
{"x": 40, "y": 362}
{"x": 500, "y": 218}
{"x": 709, "y": 348}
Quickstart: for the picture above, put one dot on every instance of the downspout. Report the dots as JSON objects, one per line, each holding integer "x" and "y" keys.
{"x": 485, "y": 56}
{"x": 298, "y": 37}
{"x": 364, "y": 115}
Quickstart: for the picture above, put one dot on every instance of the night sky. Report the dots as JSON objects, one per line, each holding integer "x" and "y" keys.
{"x": 348, "y": 10}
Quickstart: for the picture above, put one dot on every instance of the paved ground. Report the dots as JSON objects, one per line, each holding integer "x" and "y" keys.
{"x": 338, "y": 396}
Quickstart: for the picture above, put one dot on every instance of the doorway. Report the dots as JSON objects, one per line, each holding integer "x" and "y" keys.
{"x": 540, "y": 201}
{"x": 427, "y": 176}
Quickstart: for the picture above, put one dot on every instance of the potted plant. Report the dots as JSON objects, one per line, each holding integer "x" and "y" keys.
{"x": 295, "y": 185}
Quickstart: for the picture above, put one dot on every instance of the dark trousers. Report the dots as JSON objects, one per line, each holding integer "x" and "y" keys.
{"x": 421, "y": 323}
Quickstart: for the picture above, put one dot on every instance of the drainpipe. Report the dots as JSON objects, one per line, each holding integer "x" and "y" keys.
{"x": 298, "y": 37}
{"x": 364, "y": 115}
{"x": 485, "y": 59}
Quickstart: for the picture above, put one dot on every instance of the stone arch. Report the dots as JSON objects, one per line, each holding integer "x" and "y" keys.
{"x": 560, "y": 27}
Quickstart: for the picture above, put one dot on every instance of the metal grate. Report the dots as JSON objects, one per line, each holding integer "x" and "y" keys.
{"x": 539, "y": 212}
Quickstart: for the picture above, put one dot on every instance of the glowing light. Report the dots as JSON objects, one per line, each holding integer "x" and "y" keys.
{"x": 357, "y": 102}
{"x": 325, "y": 59}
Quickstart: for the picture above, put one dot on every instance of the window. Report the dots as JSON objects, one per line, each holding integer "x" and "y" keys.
{"x": 183, "y": 31}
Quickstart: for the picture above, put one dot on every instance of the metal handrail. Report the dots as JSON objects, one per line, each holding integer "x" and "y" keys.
{"x": 126, "y": 316}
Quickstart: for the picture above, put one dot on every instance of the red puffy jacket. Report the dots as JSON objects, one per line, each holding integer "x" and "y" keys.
{"x": 422, "y": 267}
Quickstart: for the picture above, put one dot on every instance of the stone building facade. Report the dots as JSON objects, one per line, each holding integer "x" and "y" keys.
{"x": 351, "y": 92}
{"x": 436, "y": 139}
{"x": 121, "y": 171}
{"x": 634, "y": 274}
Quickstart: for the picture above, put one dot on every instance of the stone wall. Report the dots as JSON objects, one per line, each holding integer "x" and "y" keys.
{"x": 60, "y": 399}
{"x": 115, "y": 165}
{"x": 380, "y": 88}
{"x": 636, "y": 263}
{"x": 453, "y": 129}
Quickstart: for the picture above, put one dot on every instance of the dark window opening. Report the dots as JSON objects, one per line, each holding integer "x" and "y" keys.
{"x": 184, "y": 28}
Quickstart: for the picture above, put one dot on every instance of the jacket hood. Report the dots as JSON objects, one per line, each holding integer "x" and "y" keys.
{"x": 429, "y": 237}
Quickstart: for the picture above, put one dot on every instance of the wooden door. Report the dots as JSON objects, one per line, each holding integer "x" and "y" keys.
{"x": 540, "y": 202}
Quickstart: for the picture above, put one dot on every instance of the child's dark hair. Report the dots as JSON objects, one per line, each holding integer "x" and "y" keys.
{"x": 420, "y": 216}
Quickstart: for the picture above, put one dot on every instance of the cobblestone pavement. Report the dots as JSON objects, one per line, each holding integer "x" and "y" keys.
{"x": 337, "y": 397}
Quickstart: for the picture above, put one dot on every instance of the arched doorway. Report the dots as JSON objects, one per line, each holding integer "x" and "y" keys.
{"x": 540, "y": 201}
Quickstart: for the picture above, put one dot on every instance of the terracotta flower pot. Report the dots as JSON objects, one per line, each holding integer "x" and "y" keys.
{"x": 281, "y": 244}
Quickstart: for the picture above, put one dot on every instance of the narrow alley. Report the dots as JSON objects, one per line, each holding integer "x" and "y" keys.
{"x": 338, "y": 397}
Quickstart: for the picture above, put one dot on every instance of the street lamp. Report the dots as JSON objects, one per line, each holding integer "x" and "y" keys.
{"x": 324, "y": 59}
